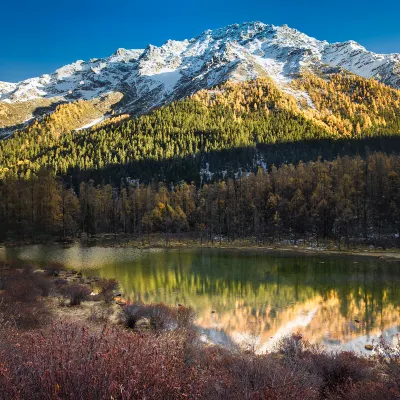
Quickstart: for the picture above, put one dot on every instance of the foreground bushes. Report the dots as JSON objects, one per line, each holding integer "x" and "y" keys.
{"x": 21, "y": 303}
{"x": 160, "y": 316}
{"x": 107, "y": 288}
{"x": 68, "y": 361}
{"x": 75, "y": 293}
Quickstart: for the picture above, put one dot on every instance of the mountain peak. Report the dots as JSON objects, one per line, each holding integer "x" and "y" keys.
{"x": 157, "y": 75}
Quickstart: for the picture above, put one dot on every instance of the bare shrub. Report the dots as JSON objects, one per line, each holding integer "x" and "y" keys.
{"x": 186, "y": 316}
{"x": 22, "y": 290}
{"x": 335, "y": 371}
{"x": 75, "y": 293}
{"x": 21, "y": 314}
{"x": 161, "y": 316}
{"x": 7, "y": 321}
{"x": 366, "y": 391}
{"x": 53, "y": 269}
{"x": 388, "y": 358}
{"x": 107, "y": 288}
{"x": 20, "y": 303}
{"x": 43, "y": 285}
{"x": 99, "y": 313}
{"x": 339, "y": 370}
{"x": 265, "y": 377}
{"x": 131, "y": 314}
{"x": 294, "y": 347}
{"x": 70, "y": 362}
{"x": 59, "y": 282}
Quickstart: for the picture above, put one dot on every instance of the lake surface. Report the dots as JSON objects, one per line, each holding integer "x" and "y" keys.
{"x": 251, "y": 298}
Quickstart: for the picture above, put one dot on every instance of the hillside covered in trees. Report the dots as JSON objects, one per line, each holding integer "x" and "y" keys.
{"x": 238, "y": 147}
{"x": 236, "y": 126}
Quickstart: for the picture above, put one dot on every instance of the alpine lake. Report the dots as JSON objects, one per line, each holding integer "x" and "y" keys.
{"x": 250, "y": 298}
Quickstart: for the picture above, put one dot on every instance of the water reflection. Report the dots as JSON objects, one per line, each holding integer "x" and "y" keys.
{"x": 256, "y": 297}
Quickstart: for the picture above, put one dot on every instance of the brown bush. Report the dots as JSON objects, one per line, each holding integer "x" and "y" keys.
{"x": 334, "y": 371}
{"x": 161, "y": 316}
{"x": 388, "y": 359}
{"x": 266, "y": 377}
{"x": 107, "y": 288}
{"x": 75, "y": 293}
{"x": 43, "y": 285}
{"x": 186, "y": 316}
{"x": 21, "y": 290}
{"x": 366, "y": 391}
{"x": 59, "y": 282}
{"x": 20, "y": 309}
{"x": 20, "y": 303}
{"x": 340, "y": 369}
{"x": 100, "y": 313}
{"x": 53, "y": 269}
{"x": 69, "y": 362}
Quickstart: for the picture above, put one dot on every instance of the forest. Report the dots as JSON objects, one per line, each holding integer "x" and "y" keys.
{"x": 242, "y": 160}
{"x": 347, "y": 200}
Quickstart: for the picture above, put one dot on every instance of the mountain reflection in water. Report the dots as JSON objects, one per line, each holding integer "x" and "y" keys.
{"x": 257, "y": 297}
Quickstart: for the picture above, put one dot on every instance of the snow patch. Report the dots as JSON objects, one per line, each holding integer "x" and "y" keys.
{"x": 238, "y": 52}
{"x": 92, "y": 123}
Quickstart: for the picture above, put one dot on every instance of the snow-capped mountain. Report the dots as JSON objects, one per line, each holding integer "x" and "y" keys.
{"x": 157, "y": 75}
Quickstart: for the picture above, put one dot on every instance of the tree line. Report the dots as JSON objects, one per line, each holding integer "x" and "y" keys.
{"x": 347, "y": 199}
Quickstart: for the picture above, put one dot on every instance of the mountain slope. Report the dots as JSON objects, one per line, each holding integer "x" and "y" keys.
{"x": 158, "y": 75}
{"x": 229, "y": 124}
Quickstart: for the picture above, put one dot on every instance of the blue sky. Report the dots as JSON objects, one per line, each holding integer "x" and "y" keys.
{"x": 40, "y": 36}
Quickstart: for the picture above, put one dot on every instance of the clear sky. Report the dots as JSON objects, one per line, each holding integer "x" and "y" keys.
{"x": 41, "y": 36}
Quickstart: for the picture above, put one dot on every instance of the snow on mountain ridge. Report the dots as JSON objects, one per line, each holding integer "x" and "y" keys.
{"x": 158, "y": 75}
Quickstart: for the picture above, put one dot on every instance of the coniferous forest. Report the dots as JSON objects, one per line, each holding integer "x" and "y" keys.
{"x": 242, "y": 160}
{"x": 347, "y": 200}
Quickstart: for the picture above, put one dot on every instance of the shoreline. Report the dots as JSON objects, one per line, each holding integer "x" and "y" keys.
{"x": 390, "y": 255}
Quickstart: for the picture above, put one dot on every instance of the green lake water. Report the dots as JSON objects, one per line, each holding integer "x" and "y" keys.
{"x": 250, "y": 298}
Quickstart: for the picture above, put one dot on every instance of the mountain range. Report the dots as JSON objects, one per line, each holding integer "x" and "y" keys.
{"x": 137, "y": 81}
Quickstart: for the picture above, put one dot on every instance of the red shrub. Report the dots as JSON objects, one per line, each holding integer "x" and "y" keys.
{"x": 388, "y": 358}
{"x": 22, "y": 315}
{"x": 21, "y": 290}
{"x": 366, "y": 391}
{"x": 20, "y": 303}
{"x": 334, "y": 371}
{"x": 339, "y": 370}
{"x": 68, "y": 362}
